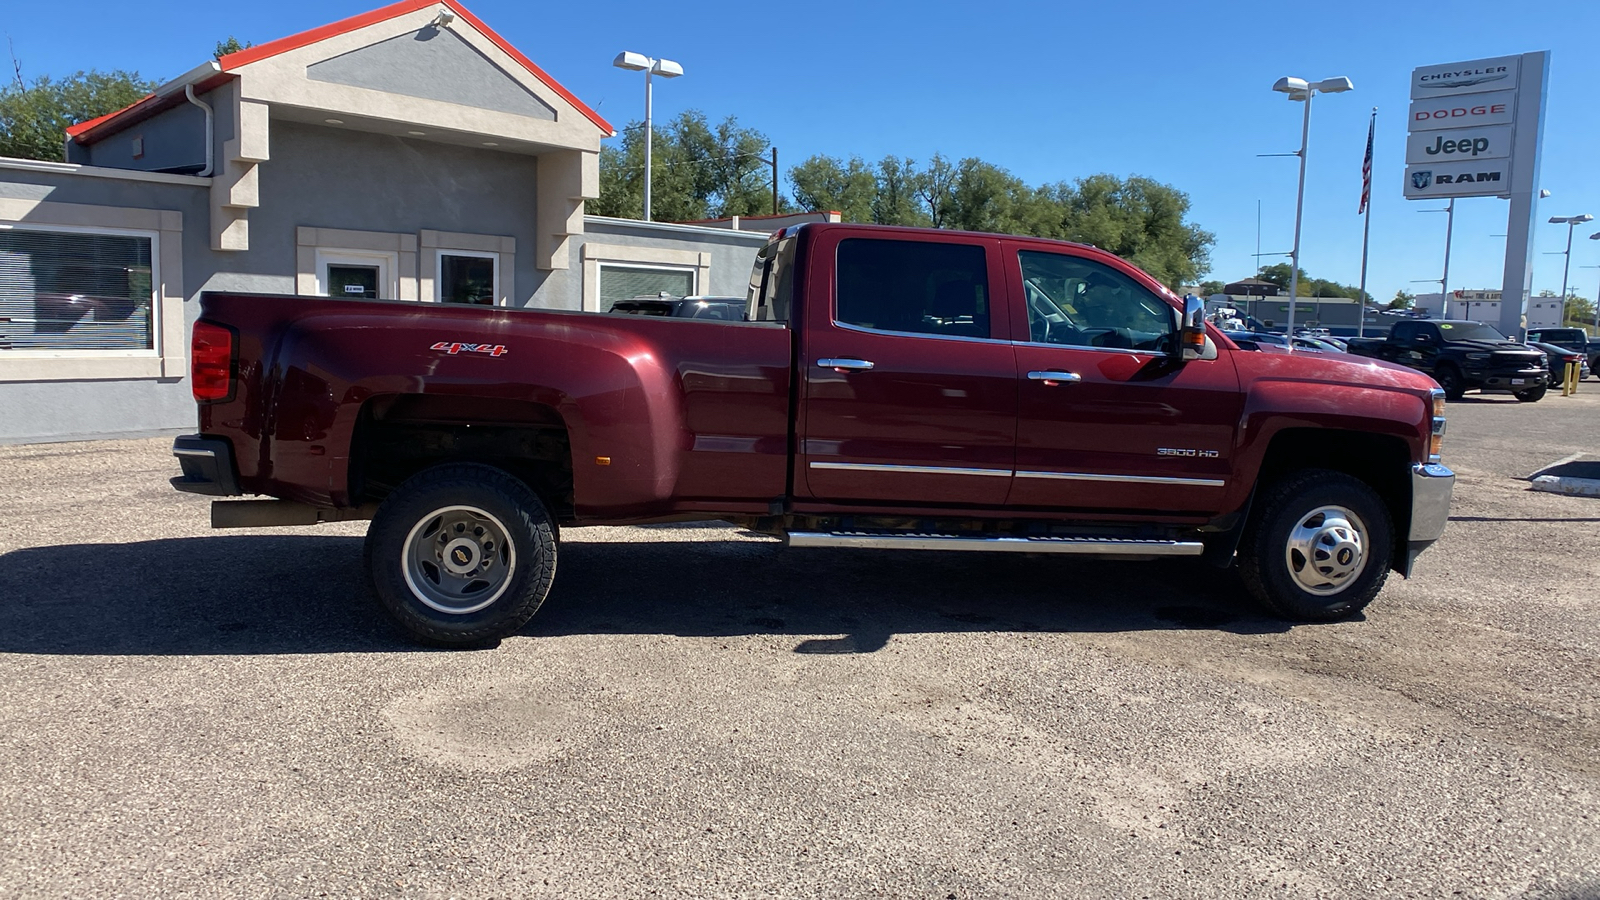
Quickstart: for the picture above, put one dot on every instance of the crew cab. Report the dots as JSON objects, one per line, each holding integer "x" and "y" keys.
{"x": 1461, "y": 355}
{"x": 892, "y": 388}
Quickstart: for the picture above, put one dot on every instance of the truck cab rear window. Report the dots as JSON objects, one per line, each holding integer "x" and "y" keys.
{"x": 913, "y": 287}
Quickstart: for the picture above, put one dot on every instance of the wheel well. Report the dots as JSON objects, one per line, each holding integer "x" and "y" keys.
{"x": 1381, "y": 460}
{"x": 399, "y": 435}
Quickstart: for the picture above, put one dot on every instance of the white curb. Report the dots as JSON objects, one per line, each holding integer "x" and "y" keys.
{"x": 1558, "y": 484}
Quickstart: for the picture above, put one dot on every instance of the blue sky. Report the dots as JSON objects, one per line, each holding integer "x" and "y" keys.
{"x": 1179, "y": 92}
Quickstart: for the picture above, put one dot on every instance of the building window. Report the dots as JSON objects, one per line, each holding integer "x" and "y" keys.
{"x": 468, "y": 276}
{"x": 77, "y": 289}
{"x": 357, "y": 274}
{"x": 624, "y": 282}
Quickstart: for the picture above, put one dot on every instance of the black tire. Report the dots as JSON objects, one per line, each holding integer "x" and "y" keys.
{"x": 1530, "y": 396}
{"x": 479, "y": 516}
{"x": 1450, "y": 380}
{"x": 1267, "y": 549}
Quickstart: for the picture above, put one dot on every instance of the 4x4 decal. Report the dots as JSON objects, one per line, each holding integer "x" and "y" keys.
{"x": 455, "y": 347}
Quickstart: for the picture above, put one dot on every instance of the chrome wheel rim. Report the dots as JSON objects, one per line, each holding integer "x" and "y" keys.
{"x": 1326, "y": 551}
{"x": 458, "y": 560}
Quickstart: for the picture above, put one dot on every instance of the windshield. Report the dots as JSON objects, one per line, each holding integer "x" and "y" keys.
{"x": 1469, "y": 331}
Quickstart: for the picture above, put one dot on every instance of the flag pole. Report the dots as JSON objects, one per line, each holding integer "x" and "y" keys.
{"x": 1366, "y": 231}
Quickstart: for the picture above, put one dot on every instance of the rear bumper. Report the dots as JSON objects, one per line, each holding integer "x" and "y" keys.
{"x": 1431, "y": 486}
{"x": 208, "y": 466}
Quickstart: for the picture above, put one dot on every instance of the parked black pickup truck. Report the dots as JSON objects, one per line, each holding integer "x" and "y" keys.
{"x": 1461, "y": 355}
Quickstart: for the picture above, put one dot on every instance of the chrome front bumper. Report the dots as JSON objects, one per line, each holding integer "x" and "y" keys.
{"x": 1431, "y": 485}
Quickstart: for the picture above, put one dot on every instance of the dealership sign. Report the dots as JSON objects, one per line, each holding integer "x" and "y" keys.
{"x": 1493, "y": 142}
{"x": 1459, "y": 112}
{"x": 1499, "y": 74}
{"x": 1462, "y": 131}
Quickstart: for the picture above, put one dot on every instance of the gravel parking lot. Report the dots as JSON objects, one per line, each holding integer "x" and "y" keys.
{"x": 701, "y": 712}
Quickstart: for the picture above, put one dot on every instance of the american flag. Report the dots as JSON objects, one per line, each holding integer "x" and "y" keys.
{"x": 1366, "y": 170}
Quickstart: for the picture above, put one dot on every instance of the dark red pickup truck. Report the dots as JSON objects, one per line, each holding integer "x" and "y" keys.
{"x": 894, "y": 388}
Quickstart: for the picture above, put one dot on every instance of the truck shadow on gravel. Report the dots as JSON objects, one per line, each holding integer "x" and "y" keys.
{"x": 269, "y": 594}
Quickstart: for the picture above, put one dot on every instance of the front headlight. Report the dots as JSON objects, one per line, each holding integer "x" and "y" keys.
{"x": 1477, "y": 357}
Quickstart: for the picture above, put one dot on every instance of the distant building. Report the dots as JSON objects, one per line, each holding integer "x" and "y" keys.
{"x": 409, "y": 153}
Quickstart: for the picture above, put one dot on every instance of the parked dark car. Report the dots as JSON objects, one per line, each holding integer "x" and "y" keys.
{"x": 1461, "y": 355}
{"x": 1575, "y": 339}
{"x": 1251, "y": 340}
{"x": 728, "y": 309}
{"x": 1558, "y": 358}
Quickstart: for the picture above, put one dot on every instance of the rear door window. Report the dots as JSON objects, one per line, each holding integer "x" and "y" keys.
{"x": 913, "y": 287}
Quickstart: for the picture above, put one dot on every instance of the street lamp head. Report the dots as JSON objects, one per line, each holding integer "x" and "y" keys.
{"x": 1333, "y": 85}
{"x": 666, "y": 68}
{"x": 633, "y": 62}
{"x": 1543, "y": 194}
{"x": 1595, "y": 236}
{"x": 1571, "y": 220}
{"x": 1291, "y": 86}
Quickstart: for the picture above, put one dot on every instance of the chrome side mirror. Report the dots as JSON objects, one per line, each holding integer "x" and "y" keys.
{"x": 1192, "y": 330}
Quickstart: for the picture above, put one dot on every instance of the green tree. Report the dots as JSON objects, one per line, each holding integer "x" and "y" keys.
{"x": 895, "y": 198}
{"x": 1403, "y": 299}
{"x": 1139, "y": 219}
{"x": 698, "y": 171}
{"x": 34, "y": 118}
{"x": 1278, "y": 274}
{"x": 935, "y": 188}
{"x": 231, "y": 45}
{"x": 824, "y": 183}
{"x": 1207, "y": 288}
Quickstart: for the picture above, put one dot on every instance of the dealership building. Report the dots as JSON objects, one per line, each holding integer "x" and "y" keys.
{"x": 409, "y": 153}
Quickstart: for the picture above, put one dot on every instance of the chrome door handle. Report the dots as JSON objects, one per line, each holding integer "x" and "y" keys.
{"x": 846, "y": 365}
{"x": 1051, "y": 377}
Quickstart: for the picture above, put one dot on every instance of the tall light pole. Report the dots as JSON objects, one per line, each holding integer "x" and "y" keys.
{"x": 666, "y": 68}
{"x": 1444, "y": 280}
{"x": 1570, "y": 222}
{"x": 1595, "y": 237}
{"x": 1300, "y": 89}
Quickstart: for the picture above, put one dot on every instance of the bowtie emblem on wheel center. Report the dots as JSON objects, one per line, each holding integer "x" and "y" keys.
{"x": 462, "y": 556}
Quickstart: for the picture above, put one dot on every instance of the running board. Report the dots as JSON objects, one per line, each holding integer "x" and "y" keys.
{"x": 1091, "y": 546}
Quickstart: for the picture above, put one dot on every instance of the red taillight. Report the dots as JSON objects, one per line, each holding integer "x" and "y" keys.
{"x": 211, "y": 362}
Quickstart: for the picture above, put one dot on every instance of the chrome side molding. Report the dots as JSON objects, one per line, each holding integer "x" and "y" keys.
{"x": 1086, "y": 546}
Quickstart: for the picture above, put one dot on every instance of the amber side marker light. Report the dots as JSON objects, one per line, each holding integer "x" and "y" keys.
{"x": 211, "y": 362}
{"x": 602, "y": 460}
{"x": 1436, "y": 439}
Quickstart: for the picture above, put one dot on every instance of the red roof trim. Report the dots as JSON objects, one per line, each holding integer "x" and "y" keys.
{"x": 81, "y": 127}
{"x": 134, "y": 113}
{"x": 81, "y": 131}
{"x": 527, "y": 63}
{"x": 306, "y": 38}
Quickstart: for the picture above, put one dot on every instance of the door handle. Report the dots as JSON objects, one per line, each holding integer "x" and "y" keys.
{"x": 846, "y": 365}
{"x": 1052, "y": 377}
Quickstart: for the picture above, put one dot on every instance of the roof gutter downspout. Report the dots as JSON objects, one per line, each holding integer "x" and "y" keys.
{"x": 188, "y": 92}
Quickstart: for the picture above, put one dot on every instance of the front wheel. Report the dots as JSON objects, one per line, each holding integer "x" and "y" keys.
{"x": 1319, "y": 548}
{"x": 1530, "y": 396}
{"x": 461, "y": 555}
{"x": 1450, "y": 380}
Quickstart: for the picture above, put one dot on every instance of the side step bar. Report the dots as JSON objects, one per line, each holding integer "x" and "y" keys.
{"x": 1090, "y": 546}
